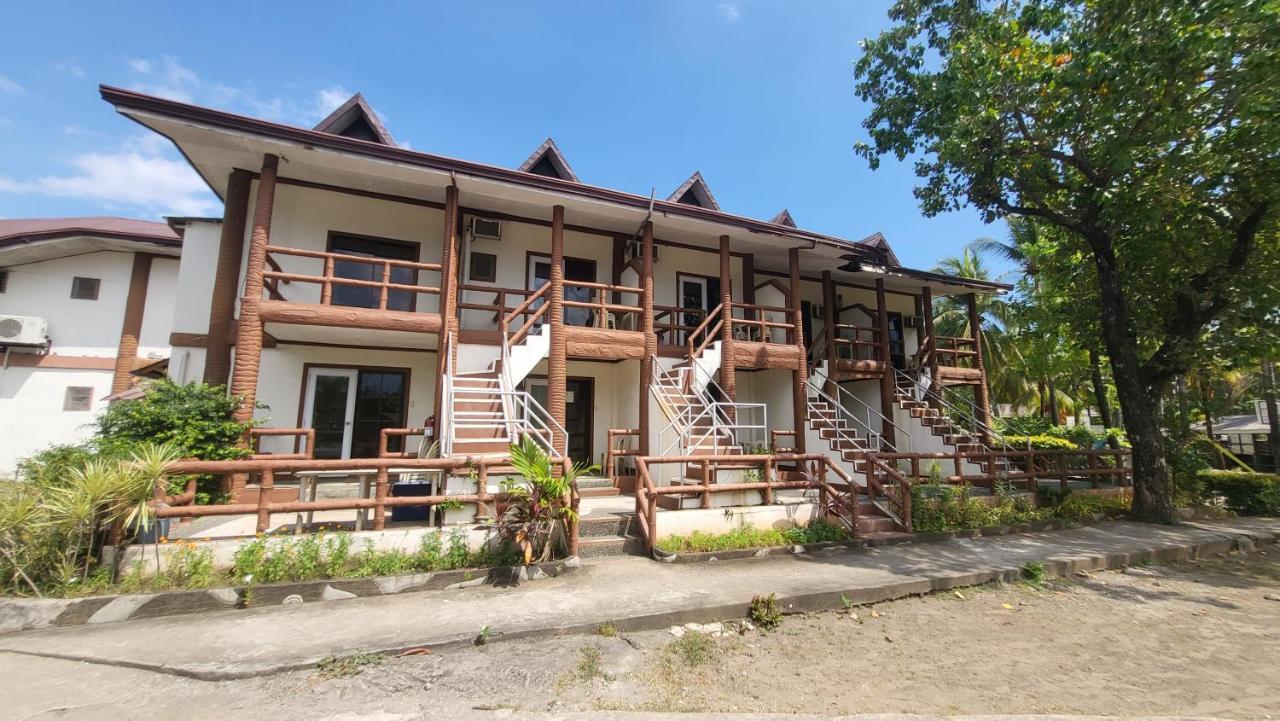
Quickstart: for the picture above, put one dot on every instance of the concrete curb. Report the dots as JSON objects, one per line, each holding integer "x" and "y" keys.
{"x": 1209, "y": 540}
{"x": 23, "y": 614}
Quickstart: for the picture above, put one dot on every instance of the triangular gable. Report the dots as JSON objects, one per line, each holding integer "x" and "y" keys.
{"x": 880, "y": 243}
{"x": 548, "y": 161}
{"x": 783, "y": 218}
{"x": 694, "y": 191}
{"x": 356, "y": 119}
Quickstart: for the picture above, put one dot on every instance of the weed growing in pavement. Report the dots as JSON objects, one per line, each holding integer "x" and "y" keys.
{"x": 334, "y": 667}
{"x": 1032, "y": 573}
{"x": 607, "y": 629}
{"x": 694, "y": 648}
{"x": 765, "y": 612}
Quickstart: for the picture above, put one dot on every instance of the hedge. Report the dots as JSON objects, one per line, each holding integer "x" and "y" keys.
{"x": 1041, "y": 443}
{"x": 1250, "y": 494}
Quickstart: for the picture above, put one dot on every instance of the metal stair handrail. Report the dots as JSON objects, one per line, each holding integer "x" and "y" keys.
{"x": 875, "y": 439}
{"x": 722, "y": 425}
{"x": 979, "y": 427}
{"x": 842, "y": 393}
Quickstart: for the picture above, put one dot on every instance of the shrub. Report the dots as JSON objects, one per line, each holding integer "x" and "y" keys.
{"x": 695, "y": 648}
{"x": 751, "y": 537}
{"x": 765, "y": 612}
{"x": 1023, "y": 425}
{"x": 1042, "y": 442}
{"x": 1251, "y": 494}
{"x": 538, "y": 502}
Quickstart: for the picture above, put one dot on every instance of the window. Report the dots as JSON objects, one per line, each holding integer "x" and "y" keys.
{"x": 484, "y": 267}
{"x": 4, "y": 280}
{"x": 85, "y": 288}
{"x": 366, "y": 297}
{"x": 78, "y": 398}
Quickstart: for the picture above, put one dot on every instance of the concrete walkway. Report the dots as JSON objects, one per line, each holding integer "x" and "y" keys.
{"x": 630, "y": 593}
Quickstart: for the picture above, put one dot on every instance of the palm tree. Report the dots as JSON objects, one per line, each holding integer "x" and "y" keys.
{"x": 951, "y": 318}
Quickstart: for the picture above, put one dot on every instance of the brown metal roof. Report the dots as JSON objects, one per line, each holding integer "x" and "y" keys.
{"x": 24, "y": 230}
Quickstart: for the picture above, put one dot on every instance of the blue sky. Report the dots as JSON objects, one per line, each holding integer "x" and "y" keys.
{"x": 757, "y": 95}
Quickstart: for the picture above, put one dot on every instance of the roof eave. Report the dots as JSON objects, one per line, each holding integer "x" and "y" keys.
{"x": 124, "y": 100}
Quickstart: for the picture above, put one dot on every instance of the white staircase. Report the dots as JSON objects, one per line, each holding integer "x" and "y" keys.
{"x": 484, "y": 414}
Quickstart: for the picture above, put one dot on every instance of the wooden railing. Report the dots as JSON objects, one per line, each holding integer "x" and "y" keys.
{"x": 602, "y": 311}
{"x": 813, "y": 478}
{"x": 853, "y": 342}
{"x": 384, "y": 441}
{"x": 1027, "y": 467}
{"x": 612, "y": 453}
{"x": 501, "y": 297}
{"x": 307, "y": 435}
{"x": 750, "y": 322}
{"x": 327, "y": 278}
{"x": 670, "y": 326}
{"x": 705, "y": 334}
{"x": 530, "y": 316}
{"x": 955, "y": 352}
{"x": 183, "y": 505}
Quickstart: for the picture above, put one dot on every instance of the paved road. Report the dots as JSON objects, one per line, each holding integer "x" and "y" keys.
{"x": 632, "y": 594}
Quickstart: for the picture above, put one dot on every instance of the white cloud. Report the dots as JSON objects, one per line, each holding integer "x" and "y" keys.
{"x": 137, "y": 174}
{"x": 729, "y": 11}
{"x": 72, "y": 69}
{"x": 167, "y": 77}
{"x": 329, "y": 100}
{"x": 9, "y": 86}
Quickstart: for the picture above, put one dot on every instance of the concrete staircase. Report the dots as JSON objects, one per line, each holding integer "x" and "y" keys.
{"x": 477, "y": 413}
{"x": 609, "y": 534}
{"x": 944, "y": 428}
{"x": 873, "y": 523}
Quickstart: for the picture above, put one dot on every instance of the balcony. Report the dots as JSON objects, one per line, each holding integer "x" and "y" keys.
{"x": 350, "y": 295}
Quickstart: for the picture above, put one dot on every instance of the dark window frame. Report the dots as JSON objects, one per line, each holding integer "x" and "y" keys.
{"x": 68, "y": 406}
{"x": 75, "y": 287}
{"x": 492, "y": 276}
{"x": 4, "y": 280}
{"x": 412, "y": 248}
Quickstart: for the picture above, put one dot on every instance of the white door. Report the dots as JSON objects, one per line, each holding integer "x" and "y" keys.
{"x": 330, "y": 409}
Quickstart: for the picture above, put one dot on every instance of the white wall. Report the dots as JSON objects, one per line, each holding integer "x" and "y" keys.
{"x": 195, "y": 277}
{"x": 280, "y": 383}
{"x": 518, "y": 240}
{"x": 302, "y": 218}
{"x": 162, "y": 301}
{"x": 76, "y": 327}
{"x": 31, "y": 415}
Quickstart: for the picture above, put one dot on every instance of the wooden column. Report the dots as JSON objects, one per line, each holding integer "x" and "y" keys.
{"x": 728, "y": 356}
{"x": 222, "y": 305}
{"x": 448, "y": 293}
{"x": 557, "y": 359}
{"x": 887, "y": 376}
{"x": 983, "y": 396}
{"x": 134, "y": 306}
{"x": 748, "y": 292}
{"x": 829, "y": 319}
{"x": 650, "y": 338}
{"x": 926, "y": 302}
{"x": 800, "y": 376}
{"x": 248, "y": 361}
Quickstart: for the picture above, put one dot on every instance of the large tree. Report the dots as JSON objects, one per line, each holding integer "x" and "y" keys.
{"x": 1145, "y": 130}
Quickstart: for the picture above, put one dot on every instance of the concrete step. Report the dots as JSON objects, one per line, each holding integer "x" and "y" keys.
{"x": 585, "y": 483}
{"x": 875, "y": 524}
{"x": 613, "y": 524}
{"x": 886, "y": 537}
{"x": 606, "y": 546}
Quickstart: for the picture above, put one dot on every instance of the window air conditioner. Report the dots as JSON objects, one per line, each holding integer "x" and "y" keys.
{"x": 636, "y": 251}
{"x": 486, "y": 229}
{"x": 23, "y": 330}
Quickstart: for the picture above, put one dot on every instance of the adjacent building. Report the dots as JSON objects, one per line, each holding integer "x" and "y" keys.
{"x": 85, "y": 305}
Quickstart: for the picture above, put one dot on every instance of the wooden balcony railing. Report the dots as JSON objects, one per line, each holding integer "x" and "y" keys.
{"x": 755, "y": 323}
{"x": 956, "y": 352}
{"x": 673, "y": 324}
{"x": 327, "y": 278}
{"x": 604, "y": 314}
{"x": 526, "y": 310}
{"x": 499, "y": 306}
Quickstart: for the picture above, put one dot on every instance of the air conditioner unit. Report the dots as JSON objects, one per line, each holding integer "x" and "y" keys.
{"x": 915, "y": 321}
{"x": 23, "y": 330}
{"x": 636, "y": 251}
{"x": 486, "y": 229}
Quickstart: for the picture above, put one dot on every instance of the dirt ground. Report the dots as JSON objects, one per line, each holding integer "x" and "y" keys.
{"x": 1199, "y": 638}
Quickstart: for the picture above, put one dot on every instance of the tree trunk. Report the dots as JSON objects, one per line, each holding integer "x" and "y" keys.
{"x": 1273, "y": 418}
{"x": 1053, "y": 405}
{"x": 1040, "y": 395}
{"x": 1100, "y": 389}
{"x": 1152, "y": 497}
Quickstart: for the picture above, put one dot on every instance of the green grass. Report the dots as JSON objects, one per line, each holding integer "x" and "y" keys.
{"x": 334, "y": 667}
{"x": 752, "y": 537}
{"x": 694, "y": 648}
